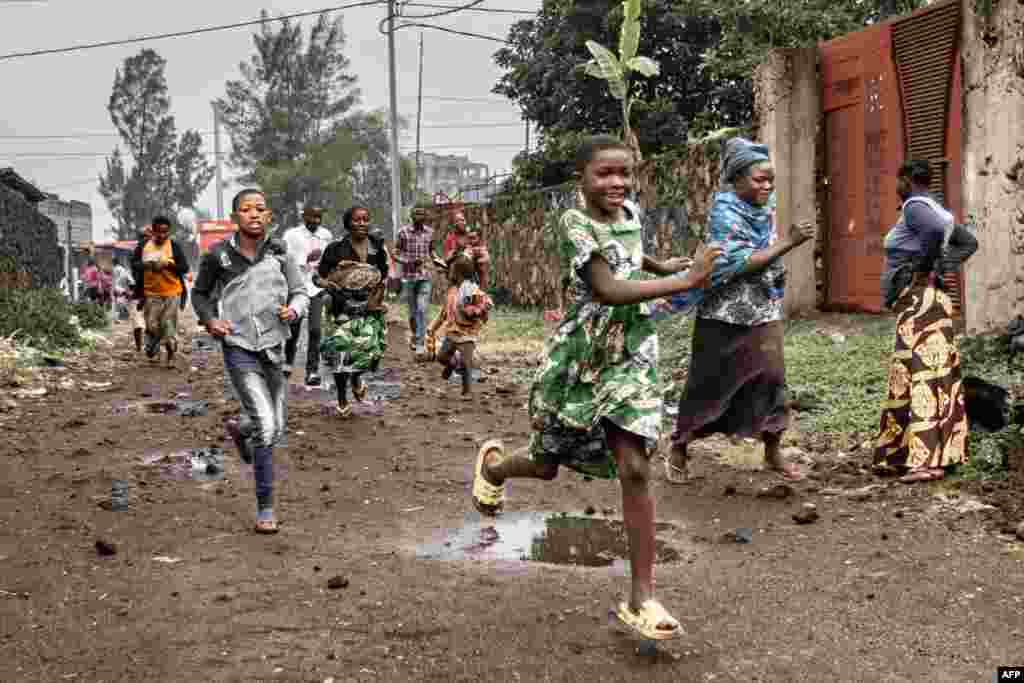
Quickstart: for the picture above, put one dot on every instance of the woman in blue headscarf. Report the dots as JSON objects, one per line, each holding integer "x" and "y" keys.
{"x": 736, "y": 380}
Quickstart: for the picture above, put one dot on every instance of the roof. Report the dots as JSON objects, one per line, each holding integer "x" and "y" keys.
{"x": 11, "y": 179}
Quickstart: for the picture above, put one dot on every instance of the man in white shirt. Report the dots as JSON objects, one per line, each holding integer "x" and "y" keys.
{"x": 306, "y": 244}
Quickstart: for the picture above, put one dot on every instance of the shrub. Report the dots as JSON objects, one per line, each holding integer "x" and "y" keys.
{"x": 39, "y": 317}
{"x": 91, "y": 315}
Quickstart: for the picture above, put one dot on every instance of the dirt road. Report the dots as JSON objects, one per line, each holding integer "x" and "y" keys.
{"x": 891, "y": 584}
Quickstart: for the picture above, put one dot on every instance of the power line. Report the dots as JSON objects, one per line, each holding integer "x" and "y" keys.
{"x": 191, "y": 32}
{"x": 487, "y": 10}
{"x": 84, "y": 136}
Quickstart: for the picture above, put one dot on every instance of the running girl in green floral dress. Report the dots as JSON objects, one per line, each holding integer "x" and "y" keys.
{"x": 595, "y": 405}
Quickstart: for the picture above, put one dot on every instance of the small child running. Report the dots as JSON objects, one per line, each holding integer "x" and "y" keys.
{"x": 459, "y": 322}
{"x": 261, "y": 291}
{"x": 594, "y": 404}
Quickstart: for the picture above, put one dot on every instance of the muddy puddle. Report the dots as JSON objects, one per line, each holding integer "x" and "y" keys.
{"x": 552, "y": 538}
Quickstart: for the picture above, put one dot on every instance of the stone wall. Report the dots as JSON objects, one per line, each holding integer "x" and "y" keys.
{"x": 29, "y": 254}
{"x": 993, "y": 160}
{"x": 787, "y": 101}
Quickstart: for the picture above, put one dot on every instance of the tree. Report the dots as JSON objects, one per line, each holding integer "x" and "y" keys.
{"x": 615, "y": 69}
{"x": 371, "y": 174}
{"x": 166, "y": 173}
{"x": 707, "y": 51}
{"x": 545, "y": 75}
{"x": 752, "y": 28}
{"x": 285, "y": 115}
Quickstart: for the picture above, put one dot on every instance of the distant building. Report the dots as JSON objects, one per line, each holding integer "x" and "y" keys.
{"x": 449, "y": 173}
{"x": 60, "y": 212}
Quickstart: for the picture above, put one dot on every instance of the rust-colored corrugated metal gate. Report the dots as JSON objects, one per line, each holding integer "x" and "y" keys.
{"x": 889, "y": 92}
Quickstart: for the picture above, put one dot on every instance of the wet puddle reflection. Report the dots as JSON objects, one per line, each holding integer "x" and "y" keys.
{"x": 544, "y": 537}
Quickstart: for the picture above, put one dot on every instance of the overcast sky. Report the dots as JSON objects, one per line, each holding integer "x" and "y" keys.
{"x": 66, "y": 94}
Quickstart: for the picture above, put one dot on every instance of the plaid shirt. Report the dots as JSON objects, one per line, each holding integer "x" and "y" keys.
{"x": 415, "y": 243}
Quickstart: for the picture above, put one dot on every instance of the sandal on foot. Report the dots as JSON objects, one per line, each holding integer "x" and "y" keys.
{"x": 647, "y": 619}
{"x": 674, "y": 474}
{"x": 923, "y": 474}
{"x": 359, "y": 391}
{"x": 265, "y": 523}
{"x": 488, "y": 499}
{"x": 344, "y": 412}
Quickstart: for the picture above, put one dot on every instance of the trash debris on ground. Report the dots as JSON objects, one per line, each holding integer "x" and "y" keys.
{"x": 779, "y": 491}
{"x": 30, "y": 393}
{"x": 741, "y": 535}
{"x": 119, "y": 495}
{"x": 166, "y": 559}
{"x": 199, "y": 464}
{"x": 97, "y": 386}
{"x": 191, "y": 408}
{"x": 105, "y": 548}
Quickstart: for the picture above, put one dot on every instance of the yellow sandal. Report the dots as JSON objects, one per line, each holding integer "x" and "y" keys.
{"x": 488, "y": 499}
{"x": 646, "y": 620}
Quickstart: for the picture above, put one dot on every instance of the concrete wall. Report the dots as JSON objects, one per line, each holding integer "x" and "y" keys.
{"x": 993, "y": 161}
{"x": 788, "y": 106}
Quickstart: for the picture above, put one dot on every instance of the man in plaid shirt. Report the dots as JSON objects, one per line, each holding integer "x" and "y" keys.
{"x": 415, "y": 256}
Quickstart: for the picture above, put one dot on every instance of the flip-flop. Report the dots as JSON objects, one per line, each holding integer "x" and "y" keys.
{"x": 675, "y": 475}
{"x": 488, "y": 499}
{"x": 265, "y": 523}
{"x": 343, "y": 413}
{"x": 645, "y": 621}
{"x": 931, "y": 474}
{"x": 359, "y": 391}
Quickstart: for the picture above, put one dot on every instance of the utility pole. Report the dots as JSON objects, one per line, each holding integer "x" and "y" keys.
{"x": 72, "y": 290}
{"x": 217, "y": 160}
{"x": 419, "y": 117}
{"x": 396, "y": 167}
{"x": 527, "y": 135}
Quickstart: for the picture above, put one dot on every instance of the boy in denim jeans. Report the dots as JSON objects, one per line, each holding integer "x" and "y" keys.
{"x": 261, "y": 292}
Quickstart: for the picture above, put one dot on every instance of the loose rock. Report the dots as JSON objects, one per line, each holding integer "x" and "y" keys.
{"x": 779, "y": 491}
{"x": 807, "y": 515}
{"x": 1020, "y": 531}
{"x": 336, "y": 582}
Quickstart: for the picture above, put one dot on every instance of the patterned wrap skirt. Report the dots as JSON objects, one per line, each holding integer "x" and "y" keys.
{"x": 924, "y": 420}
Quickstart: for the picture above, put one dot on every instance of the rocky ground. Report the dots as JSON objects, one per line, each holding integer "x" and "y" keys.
{"x": 382, "y": 571}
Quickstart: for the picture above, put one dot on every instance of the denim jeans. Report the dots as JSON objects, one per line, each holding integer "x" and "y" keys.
{"x": 261, "y": 389}
{"x": 417, "y": 297}
{"x": 291, "y": 347}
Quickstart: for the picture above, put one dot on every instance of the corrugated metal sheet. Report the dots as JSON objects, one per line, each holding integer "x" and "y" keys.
{"x": 886, "y": 94}
{"x": 925, "y": 49}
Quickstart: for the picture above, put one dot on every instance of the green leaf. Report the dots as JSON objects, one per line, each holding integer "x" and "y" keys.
{"x": 645, "y": 66}
{"x": 610, "y": 68}
{"x": 594, "y": 69}
{"x": 629, "y": 34}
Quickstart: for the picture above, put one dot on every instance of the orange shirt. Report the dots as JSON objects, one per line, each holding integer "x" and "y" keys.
{"x": 164, "y": 282}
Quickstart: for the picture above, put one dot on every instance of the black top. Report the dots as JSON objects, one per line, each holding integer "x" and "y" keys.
{"x": 342, "y": 250}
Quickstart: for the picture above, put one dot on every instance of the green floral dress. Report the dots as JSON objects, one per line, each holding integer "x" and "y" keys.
{"x": 602, "y": 362}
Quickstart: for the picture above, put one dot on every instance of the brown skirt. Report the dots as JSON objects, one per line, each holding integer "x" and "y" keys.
{"x": 924, "y": 422}
{"x": 736, "y": 384}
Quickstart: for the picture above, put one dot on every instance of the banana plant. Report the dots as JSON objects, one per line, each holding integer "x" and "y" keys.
{"x": 616, "y": 70}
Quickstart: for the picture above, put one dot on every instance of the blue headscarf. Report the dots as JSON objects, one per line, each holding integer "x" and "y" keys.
{"x": 738, "y": 227}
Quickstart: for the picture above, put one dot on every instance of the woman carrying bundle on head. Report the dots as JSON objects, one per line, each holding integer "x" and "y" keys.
{"x": 354, "y": 271}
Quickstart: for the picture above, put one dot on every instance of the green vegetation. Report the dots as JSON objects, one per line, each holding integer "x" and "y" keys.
{"x": 41, "y": 318}
{"x": 844, "y": 378}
